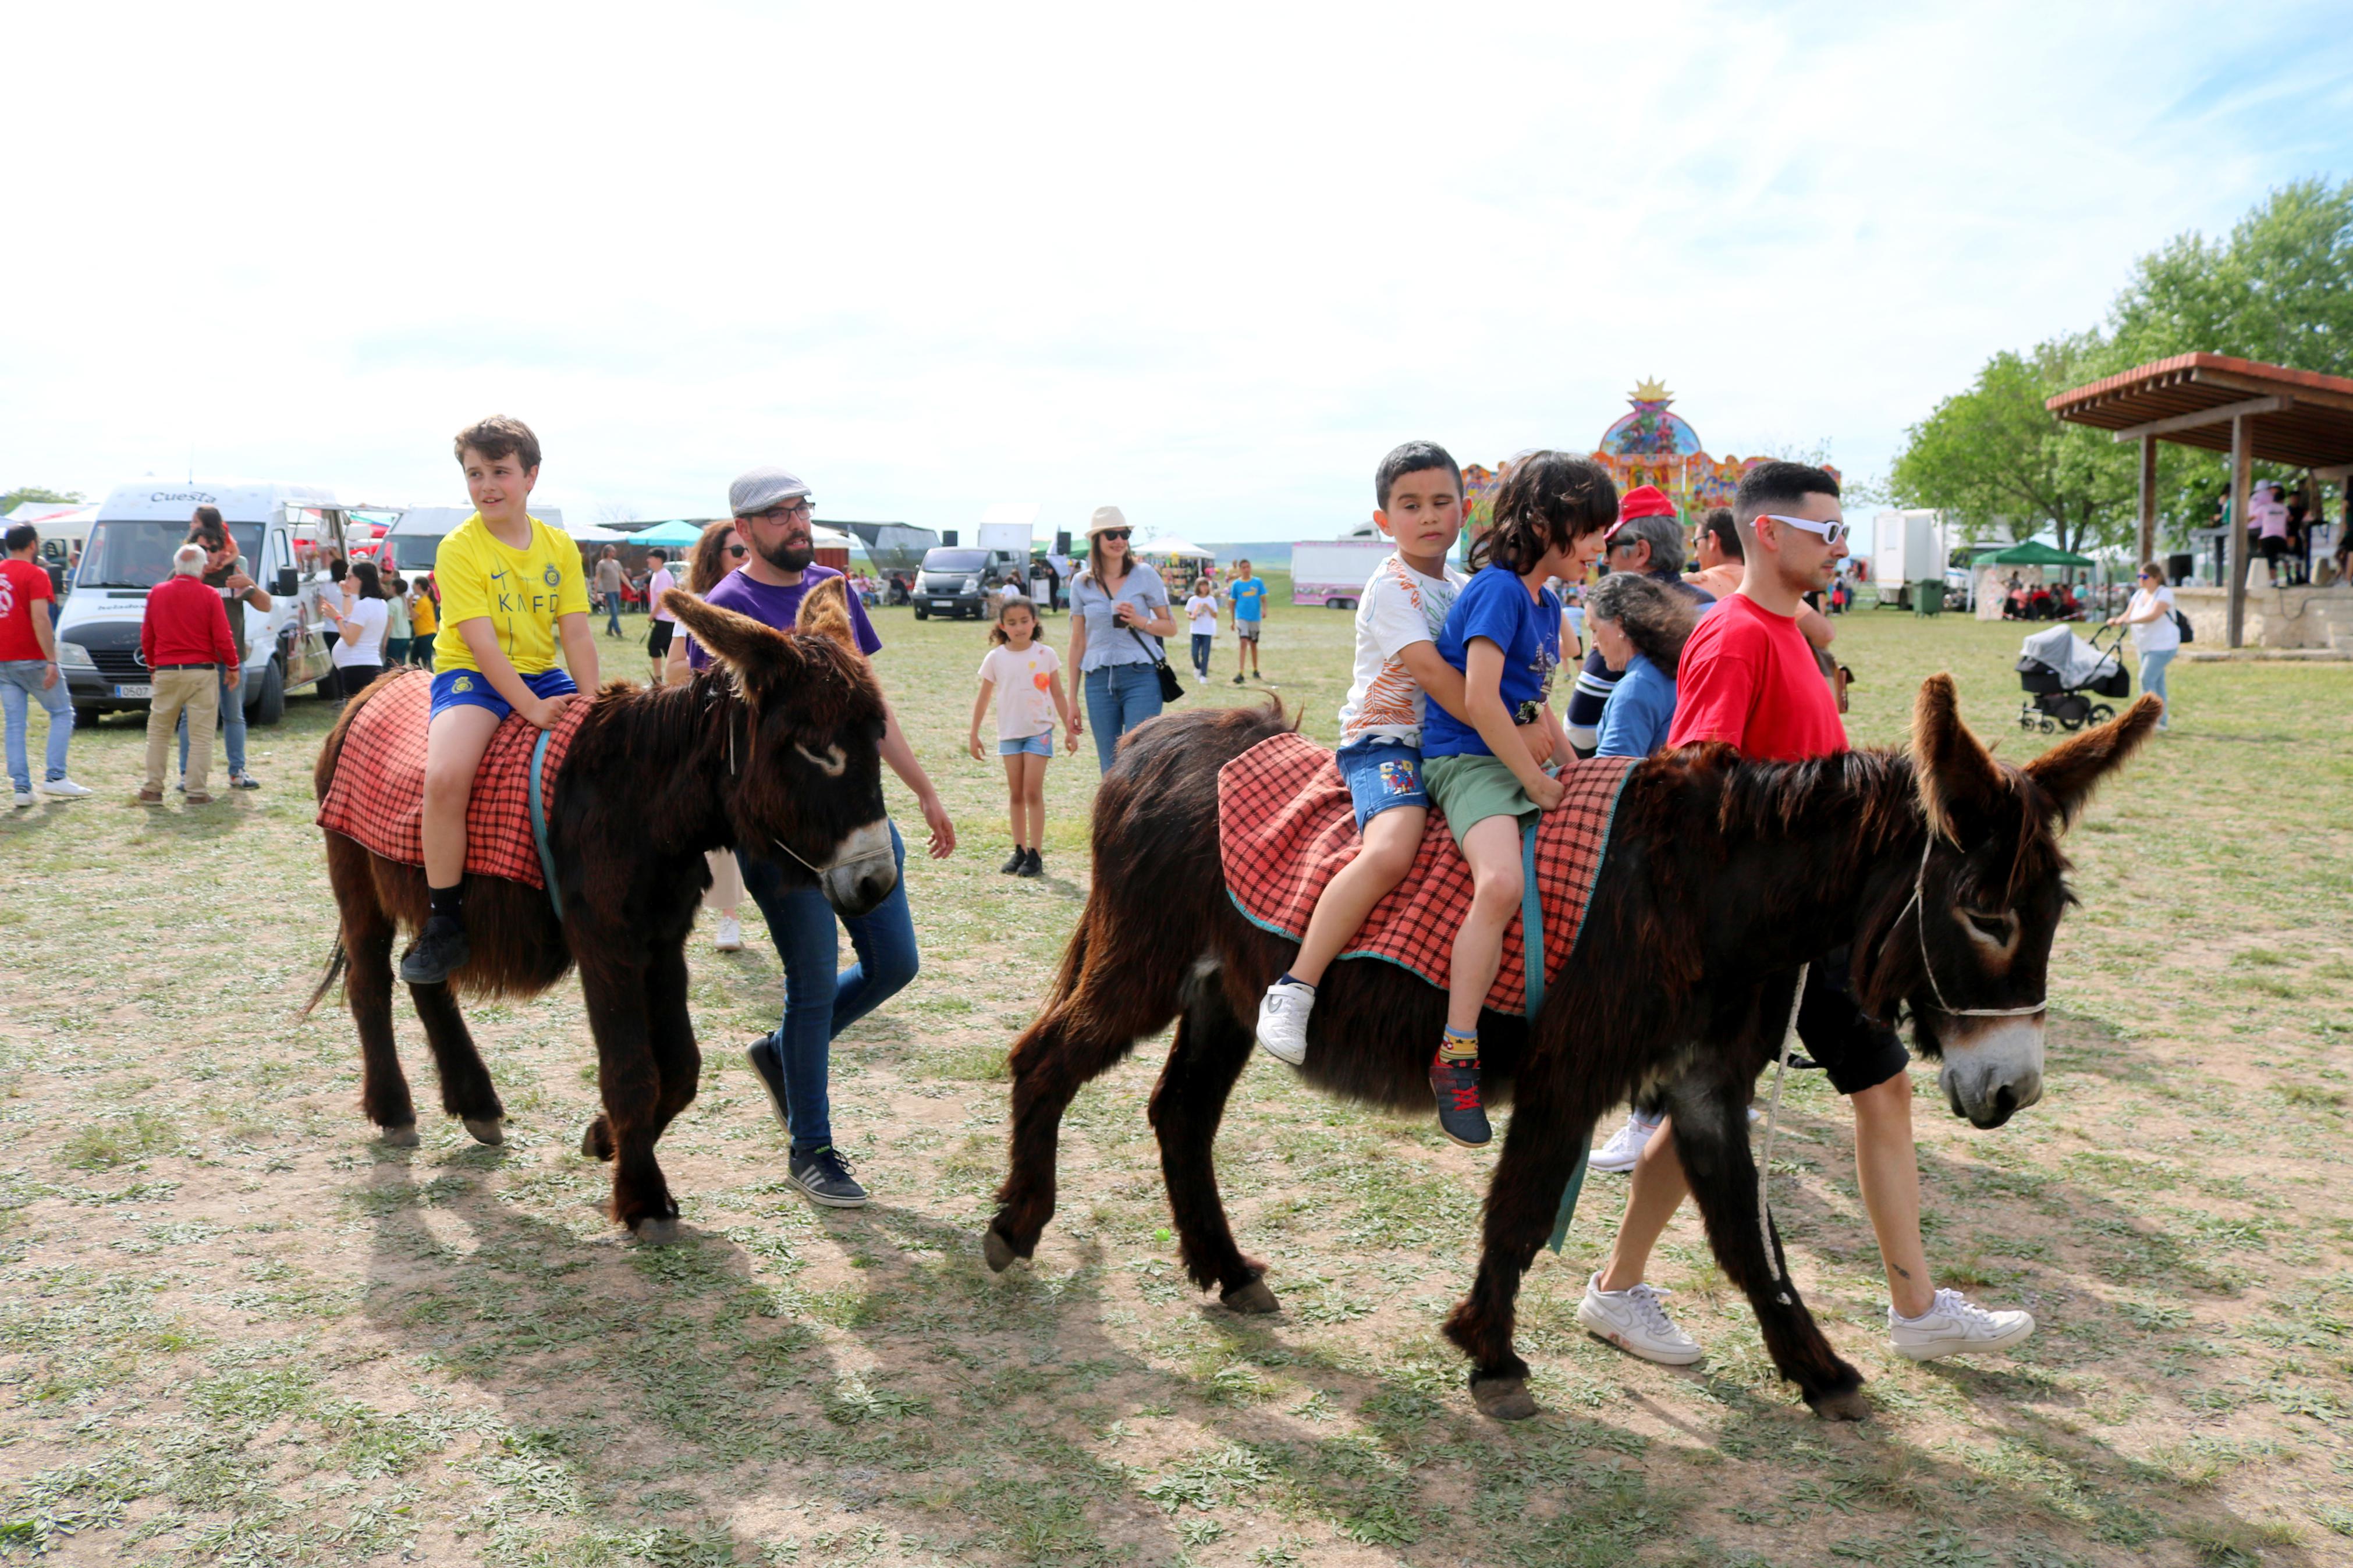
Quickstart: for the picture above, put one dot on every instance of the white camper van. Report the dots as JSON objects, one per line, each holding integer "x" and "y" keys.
{"x": 289, "y": 536}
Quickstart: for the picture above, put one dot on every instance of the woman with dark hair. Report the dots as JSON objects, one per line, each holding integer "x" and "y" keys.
{"x": 359, "y": 647}
{"x": 1115, "y": 601}
{"x": 720, "y": 551}
{"x": 1640, "y": 629}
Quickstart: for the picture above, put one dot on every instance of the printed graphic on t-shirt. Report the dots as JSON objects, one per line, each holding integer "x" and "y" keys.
{"x": 1393, "y": 699}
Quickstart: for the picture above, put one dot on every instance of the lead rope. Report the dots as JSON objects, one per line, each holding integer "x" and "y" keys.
{"x": 1772, "y": 1119}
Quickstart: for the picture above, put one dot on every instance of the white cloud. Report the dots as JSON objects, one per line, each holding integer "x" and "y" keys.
{"x": 1207, "y": 263}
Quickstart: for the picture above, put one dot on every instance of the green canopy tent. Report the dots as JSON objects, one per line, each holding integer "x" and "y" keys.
{"x": 2033, "y": 553}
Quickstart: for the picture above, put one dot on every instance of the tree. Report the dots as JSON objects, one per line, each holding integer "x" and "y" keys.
{"x": 2280, "y": 289}
{"x": 23, "y": 494}
{"x": 1994, "y": 458}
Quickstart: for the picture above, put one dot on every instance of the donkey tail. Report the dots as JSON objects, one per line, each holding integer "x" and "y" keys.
{"x": 337, "y": 962}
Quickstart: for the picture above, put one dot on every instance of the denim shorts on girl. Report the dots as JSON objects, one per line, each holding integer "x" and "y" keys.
{"x": 1381, "y": 774}
{"x": 472, "y": 689}
{"x": 1040, "y": 744}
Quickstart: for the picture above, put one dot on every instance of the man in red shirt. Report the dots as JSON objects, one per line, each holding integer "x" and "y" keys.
{"x": 28, "y": 667}
{"x": 1748, "y": 676}
{"x": 184, "y": 639}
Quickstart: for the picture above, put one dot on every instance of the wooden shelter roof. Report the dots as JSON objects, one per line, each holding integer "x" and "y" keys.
{"x": 2304, "y": 418}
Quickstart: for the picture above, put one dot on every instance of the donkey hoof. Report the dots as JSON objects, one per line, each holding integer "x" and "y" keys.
{"x": 656, "y": 1232}
{"x": 486, "y": 1130}
{"x": 1504, "y": 1398}
{"x": 997, "y": 1251}
{"x": 1842, "y": 1405}
{"x": 1253, "y": 1297}
{"x": 597, "y": 1144}
{"x": 401, "y": 1137}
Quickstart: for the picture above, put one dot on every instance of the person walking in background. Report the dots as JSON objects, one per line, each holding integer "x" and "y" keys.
{"x": 1247, "y": 596}
{"x": 424, "y": 617}
{"x": 359, "y": 640}
{"x": 1201, "y": 616}
{"x": 227, "y": 574}
{"x": 608, "y": 589}
{"x": 2156, "y": 636}
{"x": 397, "y": 636}
{"x": 1027, "y": 680}
{"x": 183, "y": 636}
{"x": 1116, "y": 601}
{"x": 28, "y": 668}
{"x": 718, "y": 551}
{"x": 660, "y": 625}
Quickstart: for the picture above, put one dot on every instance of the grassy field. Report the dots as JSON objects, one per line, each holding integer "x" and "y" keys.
{"x": 235, "y": 1329}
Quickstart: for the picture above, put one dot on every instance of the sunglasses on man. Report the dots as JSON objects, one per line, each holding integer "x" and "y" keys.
{"x": 1827, "y": 532}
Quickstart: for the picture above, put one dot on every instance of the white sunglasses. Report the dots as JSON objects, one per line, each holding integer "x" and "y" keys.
{"x": 1827, "y": 532}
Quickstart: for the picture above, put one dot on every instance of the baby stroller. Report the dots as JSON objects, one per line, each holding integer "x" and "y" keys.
{"x": 2063, "y": 677}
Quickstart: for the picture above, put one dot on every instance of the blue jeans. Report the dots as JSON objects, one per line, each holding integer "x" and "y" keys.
{"x": 2152, "y": 679}
{"x": 19, "y": 678}
{"x": 1202, "y": 643}
{"x": 613, "y": 615}
{"x": 1119, "y": 697}
{"x": 819, "y": 1004}
{"x": 232, "y": 708}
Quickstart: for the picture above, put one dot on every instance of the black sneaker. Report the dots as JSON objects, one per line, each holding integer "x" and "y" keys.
{"x": 1461, "y": 1116}
{"x": 440, "y": 950}
{"x": 1031, "y": 864}
{"x": 1238, "y": 681}
{"x": 1012, "y": 867}
{"x": 825, "y": 1177}
{"x": 770, "y": 1066}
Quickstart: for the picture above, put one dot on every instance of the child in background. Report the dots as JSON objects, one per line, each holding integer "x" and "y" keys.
{"x": 397, "y": 623}
{"x": 1486, "y": 770}
{"x": 1247, "y": 594}
{"x": 423, "y": 617}
{"x": 1399, "y": 618}
{"x": 1201, "y": 613}
{"x": 1026, "y": 676}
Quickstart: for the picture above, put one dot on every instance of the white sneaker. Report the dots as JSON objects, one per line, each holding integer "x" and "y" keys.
{"x": 1953, "y": 1325}
{"x": 64, "y": 789}
{"x": 731, "y": 934}
{"x": 1633, "y": 1320}
{"x": 1625, "y": 1145}
{"x": 24, "y": 798}
{"x": 1283, "y": 1020}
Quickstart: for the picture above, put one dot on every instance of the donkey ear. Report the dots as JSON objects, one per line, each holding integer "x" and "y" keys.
{"x": 1959, "y": 781}
{"x": 2067, "y": 772}
{"x": 753, "y": 651}
{"x": 825, "y": 613}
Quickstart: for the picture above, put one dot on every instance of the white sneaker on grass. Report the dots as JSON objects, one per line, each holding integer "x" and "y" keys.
{"x": 730, "y": 935}
{"x": 1625, "y": 1145}
{"x": 1633, "y": 1320}
{"x": 64, "y": 789}
{"x": 1283, "y": 1020}
{"x": 24, "y": 798}
{"x": 1954, "y": 1325}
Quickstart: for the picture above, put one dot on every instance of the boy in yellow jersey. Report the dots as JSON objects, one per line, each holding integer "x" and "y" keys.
{"x": 509, "y": 585}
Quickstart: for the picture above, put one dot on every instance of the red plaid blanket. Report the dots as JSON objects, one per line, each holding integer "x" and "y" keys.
{"x": 378, "y": 794}
{"x": 1286, "y": 827}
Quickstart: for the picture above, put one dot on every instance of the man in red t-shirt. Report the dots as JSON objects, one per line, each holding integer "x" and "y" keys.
{"x": 28, "y": 668}
{"x": 192, "y": 663}
{"x": 1749, "y": 678}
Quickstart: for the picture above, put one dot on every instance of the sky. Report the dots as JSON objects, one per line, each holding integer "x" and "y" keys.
{"x": 1206, "y": 264}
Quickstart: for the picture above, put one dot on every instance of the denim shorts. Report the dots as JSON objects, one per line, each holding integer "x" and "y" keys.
{"x": 1381, "y": 774}
{"x": 472, "y": 689}
{"x": 1040, "y": 744}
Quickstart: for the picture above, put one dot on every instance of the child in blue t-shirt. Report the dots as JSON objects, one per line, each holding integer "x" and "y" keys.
{"x": 1487, "y": 775}
{"x": 1247, "y": 594}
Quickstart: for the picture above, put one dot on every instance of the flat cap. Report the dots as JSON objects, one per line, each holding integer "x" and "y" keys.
{"x": 761, "y": 489}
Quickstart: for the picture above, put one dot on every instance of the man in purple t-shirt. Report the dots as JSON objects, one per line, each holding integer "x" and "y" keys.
{"x": 772, "y": 511}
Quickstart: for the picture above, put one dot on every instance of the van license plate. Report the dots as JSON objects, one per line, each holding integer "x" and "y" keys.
{"x": 134, "y": 691}
{"x": 944, "y": 604}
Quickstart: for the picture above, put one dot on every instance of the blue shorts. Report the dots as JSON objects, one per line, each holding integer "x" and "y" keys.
{"x": 1381, "y": 774}
{"x": 472, "y": 689}
{"x": 1040, "y": 744}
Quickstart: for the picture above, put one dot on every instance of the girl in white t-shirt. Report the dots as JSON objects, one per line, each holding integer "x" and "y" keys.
{"x": 2154, "y": 636}
{"x": 1027, "y": 677}
{"x": 1201, "y": 613}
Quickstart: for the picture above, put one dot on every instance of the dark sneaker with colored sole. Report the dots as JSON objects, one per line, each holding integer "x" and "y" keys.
{"x": 1460, "y": 1114}
{"x": 825, "y": 1177}
{"x": 438, "y": 951}
{"x": 770, "y": 1068}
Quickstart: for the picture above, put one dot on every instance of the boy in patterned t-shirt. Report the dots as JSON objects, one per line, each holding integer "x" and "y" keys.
{"x": 1399, "y": 618}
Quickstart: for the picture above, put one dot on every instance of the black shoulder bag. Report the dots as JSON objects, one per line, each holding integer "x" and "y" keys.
{"x": 1169, "y": 688}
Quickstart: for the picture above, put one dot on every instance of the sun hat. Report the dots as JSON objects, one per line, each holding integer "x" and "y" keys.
{"x": 1106, "y": 517}
{"x": 760, "y": 488}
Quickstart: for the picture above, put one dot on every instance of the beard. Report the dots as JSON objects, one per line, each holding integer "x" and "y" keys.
{"x": 791, "y": 557}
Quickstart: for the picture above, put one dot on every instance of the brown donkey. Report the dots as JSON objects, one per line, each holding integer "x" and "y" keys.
{"x": 776, "y": 745}
{"x": 1940, "y": 868}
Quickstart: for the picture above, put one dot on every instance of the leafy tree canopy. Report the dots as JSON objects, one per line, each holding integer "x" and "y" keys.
{"x": 19, "y": 496}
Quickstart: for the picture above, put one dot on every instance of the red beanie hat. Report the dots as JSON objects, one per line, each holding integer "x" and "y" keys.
{"x": 1644, "y": 501}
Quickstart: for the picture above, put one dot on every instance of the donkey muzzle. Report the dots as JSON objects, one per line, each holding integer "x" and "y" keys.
{"x": 1994, "y": 1072}
{"x": 862, "y": 872}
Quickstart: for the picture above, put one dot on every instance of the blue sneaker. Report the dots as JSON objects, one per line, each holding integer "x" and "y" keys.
{"x": 825, "y": 1177}
{"x": 1462, "y": 1115}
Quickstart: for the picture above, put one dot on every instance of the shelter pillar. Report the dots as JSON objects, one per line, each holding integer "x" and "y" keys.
{"x": 2234, "y": 543}
{"x": 2147, "y": 501}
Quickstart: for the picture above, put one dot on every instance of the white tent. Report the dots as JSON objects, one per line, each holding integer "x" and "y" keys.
{"x": 589, "y": 533}
{"x": 1173, "y": 548}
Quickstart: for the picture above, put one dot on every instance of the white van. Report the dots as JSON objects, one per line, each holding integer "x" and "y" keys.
{"x": 288, "y": 534}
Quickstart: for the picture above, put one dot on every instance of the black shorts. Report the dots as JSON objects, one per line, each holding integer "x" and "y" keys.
{"x": 1856, "y": 1050}
{"x": 658, "y": 639}
{"x": 2271, "y": 546}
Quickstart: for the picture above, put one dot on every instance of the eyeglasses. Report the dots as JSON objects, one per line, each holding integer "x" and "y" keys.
{"x": 1827, "y": 532}
{"x": 1112, "y": 533}
{"x": 786, "y": 511}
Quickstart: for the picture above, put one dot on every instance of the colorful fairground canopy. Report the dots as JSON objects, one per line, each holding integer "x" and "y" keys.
{"x": 1650, "y": 444}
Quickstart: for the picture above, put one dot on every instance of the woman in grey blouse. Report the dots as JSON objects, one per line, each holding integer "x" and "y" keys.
{"x": 1118, "y": 608}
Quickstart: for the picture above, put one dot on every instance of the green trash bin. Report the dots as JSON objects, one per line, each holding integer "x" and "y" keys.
{"x": 1928, "y": 597}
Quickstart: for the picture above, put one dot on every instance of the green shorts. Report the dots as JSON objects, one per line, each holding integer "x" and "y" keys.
{"x": 1468, "y": 790}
